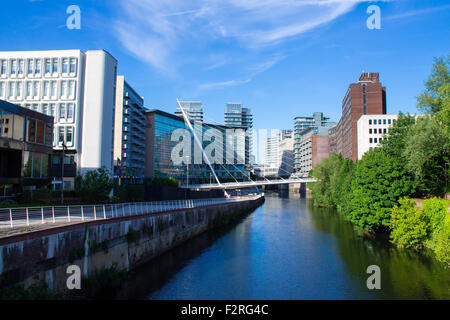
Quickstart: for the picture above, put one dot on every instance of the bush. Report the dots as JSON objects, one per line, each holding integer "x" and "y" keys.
{"x": 441, "y": 242}
{"x": 408, "y": 225}
{"x": 379, "y": 182}
{"x": 435, "y": 210}
{"x": 96, "y": 185}
{"x": 165, "y": 181}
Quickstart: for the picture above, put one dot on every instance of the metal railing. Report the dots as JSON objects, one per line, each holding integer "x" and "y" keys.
{"x": 13, "y": 217}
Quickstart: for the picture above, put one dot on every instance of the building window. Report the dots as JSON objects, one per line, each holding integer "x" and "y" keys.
{"x": 384, "y": 130}
{"x": 45, "y": 108}
{"x": 21, "y": 65}
{"x": 3, "y": 67}
{"x": 62, "y": 111}
{"x": 2, "y": 89}
{"x": 36, "y": 89}
{"x": 55, "y": 65}
{"x": 384, "y": 121}
{"x": 54, "y": 89}
{"x": 370, "y": 121}
{"x": 389, "y": 121}
{"x": 52, "y": 109}
{"x": 69, "y": 135}
{"x": 12, "y": 88}
{"x": 370, "y": 140}
{"x": 72, "y": 89}
{"x": 29, "y": 89}
{"x": 70, "y": 107}
{"x": 30, "y": 66}
{"x": 47, "y": 89}
{"x": 38, "y": 66}
{"x": 63, "y": 89}
{"x": 379, "y": 121}
{"x": 19, "y": 89}
{"x": 65, "y": 65}
{"x": 73, "y": 65}
{"x": 375, "y": 130}
{"x": 375, "y": 140}
{"x": 47, "y": 66}
{"x": 370, "y": 131}
{"x": 13, "y": 67}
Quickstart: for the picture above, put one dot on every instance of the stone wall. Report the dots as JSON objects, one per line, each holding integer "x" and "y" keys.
{"x": 126, "y": 242}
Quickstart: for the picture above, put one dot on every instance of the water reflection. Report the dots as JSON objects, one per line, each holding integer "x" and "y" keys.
{"x": 288, "y": 250}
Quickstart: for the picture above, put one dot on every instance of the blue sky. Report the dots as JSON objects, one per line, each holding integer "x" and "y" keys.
{"x": 282, "y": 58}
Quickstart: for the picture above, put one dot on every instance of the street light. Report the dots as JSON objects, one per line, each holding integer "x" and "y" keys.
{"x": 62, "y": 172}
{"x": 187, "y": 170}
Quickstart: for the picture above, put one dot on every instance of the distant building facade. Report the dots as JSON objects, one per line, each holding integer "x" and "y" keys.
{"x": 318, "y": 120}
{"x": 129, "y": 134}
{"x": 372, "y": 129}
{"x": 240, "y": 117}
{"x": 313, "y": 148}
{"x": 193, "y": 110}
{"x": 26, "y": 140}
{"x": 367, "y": 96}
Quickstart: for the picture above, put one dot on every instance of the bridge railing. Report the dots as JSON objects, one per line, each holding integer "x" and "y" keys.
{"x": 14, "y": 217}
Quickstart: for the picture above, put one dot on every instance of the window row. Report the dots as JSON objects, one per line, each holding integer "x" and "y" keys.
{"x": 375, "y": 140}
{"x": 379, "y": 131}
{"x": 36, "y": 90}
{"x": 382, "y": 121}
{"x": 63, "y": 112}
{"x": 51, "y": 66}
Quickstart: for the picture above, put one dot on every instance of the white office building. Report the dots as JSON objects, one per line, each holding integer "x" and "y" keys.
{"x": 372, "y": 130}
{"x": 77, "y": 88}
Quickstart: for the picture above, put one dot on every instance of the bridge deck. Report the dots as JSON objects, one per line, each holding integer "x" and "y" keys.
{"x": 246, "y": 184}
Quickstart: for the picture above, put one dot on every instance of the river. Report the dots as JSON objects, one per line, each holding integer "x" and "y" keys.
{"x": 286, "y": 249}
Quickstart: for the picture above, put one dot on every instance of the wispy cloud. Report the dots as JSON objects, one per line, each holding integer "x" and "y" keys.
{"x": 164, "y": 33}
{"x": 417, "y": 12}
{"x": 223, "y": 84}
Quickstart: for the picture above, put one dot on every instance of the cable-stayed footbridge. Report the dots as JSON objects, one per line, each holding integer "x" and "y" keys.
{"x": 237, "y": 184}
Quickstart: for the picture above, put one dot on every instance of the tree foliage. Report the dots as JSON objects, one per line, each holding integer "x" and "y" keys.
{"x": 408, "y": 225}
{"x": 95, "y": 185}
{"x": 333, "y": 176}
{"x": 436, "y": 97}
{"x": 426, "y": 152}
{"x": 379, "y": 181}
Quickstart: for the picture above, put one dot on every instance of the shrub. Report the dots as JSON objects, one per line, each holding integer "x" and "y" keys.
{"x": 408, "y": 225}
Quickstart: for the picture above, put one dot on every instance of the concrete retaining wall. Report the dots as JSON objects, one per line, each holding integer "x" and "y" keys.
{"x": 127, "y": 242}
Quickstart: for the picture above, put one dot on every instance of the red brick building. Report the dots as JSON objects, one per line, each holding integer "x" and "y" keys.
{"x": 367, "y": 96}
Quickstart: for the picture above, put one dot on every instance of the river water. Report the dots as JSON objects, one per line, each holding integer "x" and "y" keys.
{"x": 286, "y": 249}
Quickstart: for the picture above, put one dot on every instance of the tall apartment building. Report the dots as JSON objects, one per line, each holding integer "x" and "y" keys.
{"x": 76, "y": 88}
{"x": 129, "y": 133}
{"x": 240, "y": 117}
{"x": 271, "y": 155}
{"x": 278, "y": 154}
{"x": 372, "y": 130}
{"x": 318, "y": 120}
{"x": 367, "y": 96}
{"x": 193, "y": 110}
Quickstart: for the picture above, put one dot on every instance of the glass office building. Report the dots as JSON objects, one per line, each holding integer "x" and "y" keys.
{"x": 162, "y": 138}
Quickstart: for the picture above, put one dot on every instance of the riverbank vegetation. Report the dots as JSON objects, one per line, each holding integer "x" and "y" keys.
{"x": 376, "y": 194}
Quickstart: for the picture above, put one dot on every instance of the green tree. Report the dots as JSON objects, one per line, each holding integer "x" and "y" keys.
{"x": 408, "y": 225}
{"x": 379, "y": 181}
{"x": 436, "y": 97}
{"x": 395, "y": 141}
{"x": 326, "y": 174}
{"x": 426, "y": 152}
{"x": 96, "y": 185}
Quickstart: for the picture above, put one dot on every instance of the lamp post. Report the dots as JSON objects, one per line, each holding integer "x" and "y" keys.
{"x": 62, "y": 172}
{"x": 187, "y": 170}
